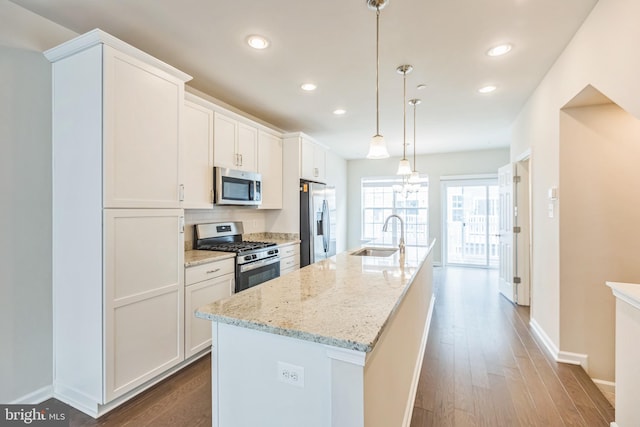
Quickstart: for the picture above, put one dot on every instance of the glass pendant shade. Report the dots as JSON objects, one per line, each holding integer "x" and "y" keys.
{"x": 414, "y": 178}
{"x": 377, "y": 148}
{"x": 404, "y": 167}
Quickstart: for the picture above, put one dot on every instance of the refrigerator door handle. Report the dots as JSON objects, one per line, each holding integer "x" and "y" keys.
{"x": 325, "y": 226}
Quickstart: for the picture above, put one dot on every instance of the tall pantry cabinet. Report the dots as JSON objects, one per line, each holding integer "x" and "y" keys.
{"x": 118, "y": 226}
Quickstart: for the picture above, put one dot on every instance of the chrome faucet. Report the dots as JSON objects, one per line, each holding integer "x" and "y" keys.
{"x": 386, "y": 226}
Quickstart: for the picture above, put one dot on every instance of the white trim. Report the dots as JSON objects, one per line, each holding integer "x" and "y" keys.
{"x": 97, "y": 36}
{"x": 408, "y": 412}
{"x": 627, "y": 292}
{"x": 613, "y": 424}
{"x": 548, "y": 343}
{"x": 574, "y": 359}
{"x": 525, "y": 155}
{"x": 608, "y": 386}
{"x": 468, "y": 177}
{"x": 345, "y": 355}
{"x": 35, "y": 397}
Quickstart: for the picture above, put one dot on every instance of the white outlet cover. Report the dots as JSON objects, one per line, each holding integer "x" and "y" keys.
{"x": 291, "y": 374}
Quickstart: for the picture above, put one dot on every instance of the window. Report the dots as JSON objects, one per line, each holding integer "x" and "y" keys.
{"x": 379, "y": 200}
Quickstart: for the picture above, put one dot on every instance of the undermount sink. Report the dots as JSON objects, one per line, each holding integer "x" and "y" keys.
{"x": 373, "y": 251}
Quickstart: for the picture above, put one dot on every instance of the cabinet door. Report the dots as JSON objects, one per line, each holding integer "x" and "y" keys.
{"x": 247, "y": 148}
{"x": 224, "y": 141}
{"x": 144, "y": 291}
{"x": 198, "y": 331}
{"x": 197, "y": 158}
{"x": 142, "y": 108}
{"x": 270, "y": 167}
{"x": 319, "y": 163}
{"x": 306, "y": 159}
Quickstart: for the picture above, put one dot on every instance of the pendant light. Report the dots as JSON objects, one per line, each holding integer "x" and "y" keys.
{"x": 404, "y": 167}
{"x": 415, "y": 176}
{"x": 377, "y": 147}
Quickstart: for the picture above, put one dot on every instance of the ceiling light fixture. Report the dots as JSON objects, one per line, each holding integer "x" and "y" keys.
{"x": 257, "y": 42}
{"x": 339, "y": 112}
{"x": 415, "y": 175}
{"x": 499, "y": 50}
{"x": 377, "y": 147}
{"x": 404, "y": 167}
{"x": 308, "y": 87}
{"x": 487, "y": 89}
{"x": 421, "y": 86}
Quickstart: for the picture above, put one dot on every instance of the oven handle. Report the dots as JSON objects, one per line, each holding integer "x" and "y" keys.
{"x": 258, "y": 264}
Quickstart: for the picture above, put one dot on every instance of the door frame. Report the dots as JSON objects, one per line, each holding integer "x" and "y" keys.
{"x": 524, "y": 244}
{"x": 445, "y": 181}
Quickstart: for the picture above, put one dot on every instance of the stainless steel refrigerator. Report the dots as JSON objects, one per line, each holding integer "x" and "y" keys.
{"x": 317, "y": 222}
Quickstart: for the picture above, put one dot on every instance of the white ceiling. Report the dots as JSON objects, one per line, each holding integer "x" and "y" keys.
{"x": 332, "y": 43}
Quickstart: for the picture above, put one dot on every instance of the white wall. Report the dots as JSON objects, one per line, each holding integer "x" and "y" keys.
{"x": 25, "y": 214}
{"x": 435, "y": 166}
{"x": 603, "y": 53}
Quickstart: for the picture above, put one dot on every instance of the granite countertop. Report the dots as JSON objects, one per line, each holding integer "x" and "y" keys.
{"x": 343, "y": 301}
{"x": 196, "y": 257}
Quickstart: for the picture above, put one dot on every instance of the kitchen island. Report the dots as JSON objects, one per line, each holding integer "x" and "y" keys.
{"x": 337, "y": 343}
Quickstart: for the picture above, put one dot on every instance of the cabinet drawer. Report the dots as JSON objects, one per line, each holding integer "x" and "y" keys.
{"x": 290, "y": 262}
{"x": 290, "y": 250}
{"x": 210, "y": 270}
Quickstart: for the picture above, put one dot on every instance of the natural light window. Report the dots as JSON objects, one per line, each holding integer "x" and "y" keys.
{"x": 380, "y": 199}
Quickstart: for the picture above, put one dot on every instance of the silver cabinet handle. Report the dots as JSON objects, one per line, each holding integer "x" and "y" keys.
{"x": 213, "y": 271}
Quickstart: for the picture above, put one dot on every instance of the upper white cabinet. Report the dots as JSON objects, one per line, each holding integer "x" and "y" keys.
{"x": 270, "y": 167}
{"x": 312, "y": 161}
{"x": 235, "y": 144}
{"x": 142, "y": 107}
{"x": 197, "y": 158}
{"x": 310, "y": 156}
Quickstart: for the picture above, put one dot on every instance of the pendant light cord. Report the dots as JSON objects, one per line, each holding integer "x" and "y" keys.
{"x": 404, "y": 117}
{"x": 415, "y": 104}
{"x": 377, "y": 70}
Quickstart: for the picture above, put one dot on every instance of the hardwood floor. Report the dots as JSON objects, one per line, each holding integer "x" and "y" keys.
{"x": 482, "y": 367}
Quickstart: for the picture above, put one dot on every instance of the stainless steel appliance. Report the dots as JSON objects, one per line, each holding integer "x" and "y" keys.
{"x": 234, "y": 187}
{"x": 317, "y": 222}
{"x": 256, "y": 262}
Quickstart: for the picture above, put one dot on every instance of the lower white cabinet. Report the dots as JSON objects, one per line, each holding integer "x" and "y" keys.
{"x": 205, "y": 283}
{"x": 289, "y": 258}
{"x": 144, "y": 288}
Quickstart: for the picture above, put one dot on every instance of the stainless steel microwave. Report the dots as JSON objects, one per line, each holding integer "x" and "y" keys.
{"x": 234, "y": 187}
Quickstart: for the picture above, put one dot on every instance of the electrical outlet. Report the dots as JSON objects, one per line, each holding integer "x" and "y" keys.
{"x": 291, "y": 374}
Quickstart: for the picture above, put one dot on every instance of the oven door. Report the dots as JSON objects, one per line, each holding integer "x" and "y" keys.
{"x": 254, "y": 273}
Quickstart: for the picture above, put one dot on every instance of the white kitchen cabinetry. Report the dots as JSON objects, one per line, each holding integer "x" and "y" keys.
{"x": 235, "y": 144}
{"x": 312, "y": 161}
{"x": 204, "y": 284}
{"x": 197, "y": 158}
{"x": 143, "y": 294}
{"x": 270, "y": 167}
{"x": 309, "y": 155}
{"x": 118, "y": 281}
{"x": 289, "y": 258}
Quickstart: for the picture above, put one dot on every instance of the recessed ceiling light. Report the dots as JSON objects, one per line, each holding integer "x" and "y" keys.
{"x": 339, "y": 112}
{"x": 487, "y": 89}
{"x": 308, "y": 87}
{"x": 421, "y": 86}
{"x": 499, "y": 50}
{"x": 257, "y": 42}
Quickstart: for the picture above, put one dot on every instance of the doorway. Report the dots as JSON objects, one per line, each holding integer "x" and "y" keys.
{"x": 471, "y": 222}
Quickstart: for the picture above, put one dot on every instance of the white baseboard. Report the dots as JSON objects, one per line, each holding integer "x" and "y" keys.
{"x": 408, "y": 413}
{"x": 548, "y": 343}
{"x": 608, "y": 386}
{"x": 613, "y": 424}
{"x": 35, "y": 397}
{"x": 574, "y": 359}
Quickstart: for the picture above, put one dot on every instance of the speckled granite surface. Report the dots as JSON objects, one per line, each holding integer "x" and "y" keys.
{"x": 192, "y": 258}
{"x": 344, "y": 301}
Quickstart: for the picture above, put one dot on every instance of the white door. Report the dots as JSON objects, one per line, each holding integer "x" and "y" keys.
{"x": 247, "y": 148}
{"x": 507, "y": 261}
{"x": 197, "y": 148}
{"x": 224, "y": 141}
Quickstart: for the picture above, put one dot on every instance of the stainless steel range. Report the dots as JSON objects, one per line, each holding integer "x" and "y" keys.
{"x": 256, "y": 262}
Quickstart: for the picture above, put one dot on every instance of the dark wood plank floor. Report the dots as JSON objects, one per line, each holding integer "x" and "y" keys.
{"x": 482, "y": 367}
